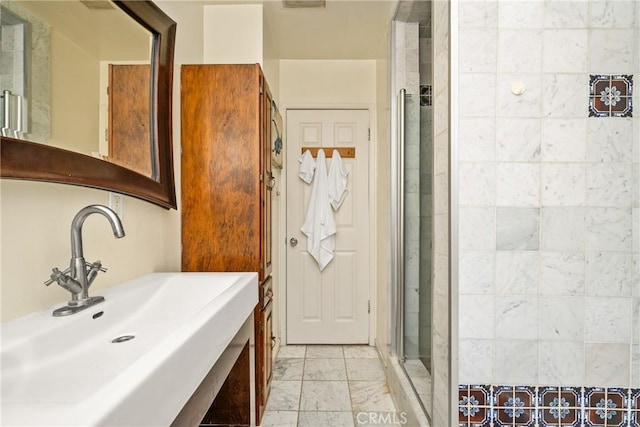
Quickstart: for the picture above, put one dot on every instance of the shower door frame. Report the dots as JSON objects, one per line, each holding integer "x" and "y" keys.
{"x": 396, "y": 214}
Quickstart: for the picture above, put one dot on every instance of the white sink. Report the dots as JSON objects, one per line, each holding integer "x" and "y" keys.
{"x": 66, "y": 371}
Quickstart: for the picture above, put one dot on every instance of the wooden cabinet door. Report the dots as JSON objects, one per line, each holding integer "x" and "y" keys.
{"x": 267, "y": 321}
{"x": 130, "y": 119}
{"x": 222, "y": 181}
{"x": 267, "y": 173}
{"x": 264, "y": 358}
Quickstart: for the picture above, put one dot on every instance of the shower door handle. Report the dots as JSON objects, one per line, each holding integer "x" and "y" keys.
{"x": 293, "y": 242}
{"x": 400, "y": 296}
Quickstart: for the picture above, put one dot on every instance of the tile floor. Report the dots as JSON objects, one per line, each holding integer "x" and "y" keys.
{"x": 329, "y": 385}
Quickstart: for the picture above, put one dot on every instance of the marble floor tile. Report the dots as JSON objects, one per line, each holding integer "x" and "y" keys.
{"x": 325, "y": 370}
{"x": 331, "y": 386}
{"x": 292, "y": 351}
{"x": 379, "y": 419}
{"x": 284, "y": 396}
{"x": 280, "y": 419}
{"x": 360, "y": 352}
{"x": 324, "y": 352}
{"x": 370, "y": 396}
{"x": 288, "y": 369}
{"x": 364, "y": 370}
{"x": 325, "y": 418}
{"x": 325, "y": 396}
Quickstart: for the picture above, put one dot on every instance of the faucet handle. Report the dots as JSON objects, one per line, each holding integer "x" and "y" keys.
{"x": 55, "y": 275}
{"x": 93, "y": 271}
{"x": 96, "y": 266}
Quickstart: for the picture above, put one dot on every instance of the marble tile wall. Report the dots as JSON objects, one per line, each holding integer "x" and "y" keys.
{"x": 426, "y": 197}
{"x": 36, "y": 85}
{"x": 414, "y": 250}
{"x": 549, "y": 236}
{"x": 635, "y": 346}
{"x": 426, "y": 231}
{"x": 407, "y": 58}
{"x": 440, "y": 364}
{"x": 426, "y": 57}
{"x": 11, "y": 58}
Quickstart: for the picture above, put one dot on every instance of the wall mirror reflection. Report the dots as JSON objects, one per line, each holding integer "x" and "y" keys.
{"x": 76, "y": 75}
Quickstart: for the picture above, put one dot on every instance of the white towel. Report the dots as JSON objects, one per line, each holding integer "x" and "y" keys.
{"x": 337, "y": 180}
{"x": 307, "y": 167}
{"x": 319, "y": 225}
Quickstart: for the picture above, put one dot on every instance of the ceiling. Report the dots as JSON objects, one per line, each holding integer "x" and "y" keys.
{"x": 344, "y": 29}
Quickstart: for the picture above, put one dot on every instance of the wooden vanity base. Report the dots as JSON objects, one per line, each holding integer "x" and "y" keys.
{"x": 226, "y": 395}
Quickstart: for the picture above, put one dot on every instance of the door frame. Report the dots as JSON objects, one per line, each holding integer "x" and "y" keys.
{"x": 373, "y": 220}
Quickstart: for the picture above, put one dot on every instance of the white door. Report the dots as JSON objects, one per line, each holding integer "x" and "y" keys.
{"x": 332, "y": 306}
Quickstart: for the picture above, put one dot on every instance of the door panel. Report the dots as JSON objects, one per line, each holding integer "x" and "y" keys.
{"x": 329, "y": 307}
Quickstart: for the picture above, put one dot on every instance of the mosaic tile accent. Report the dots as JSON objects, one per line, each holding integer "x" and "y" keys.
{"x": 426, "y": 95}
{"x": 502, "y": 405}
{"x": 515, "y": 406}
{"x": 605, "y": 407}
{"x": 610, "y": 95}
{"x": 634, "y": 403}
{"x": 559, "y": 406}
{"x": 475, "y": 402}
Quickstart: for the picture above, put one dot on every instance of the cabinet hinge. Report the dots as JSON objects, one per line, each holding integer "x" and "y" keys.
{"x": 369, "y": 306}
{"x": 369, "y": 135}
{"x": 261, "y": 177}
{"x": 261, "y": 266}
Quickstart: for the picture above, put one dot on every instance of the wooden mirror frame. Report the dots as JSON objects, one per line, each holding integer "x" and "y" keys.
{"x": 32, "y": 161}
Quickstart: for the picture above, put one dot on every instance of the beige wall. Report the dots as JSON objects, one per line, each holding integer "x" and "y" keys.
{"x": 233, "y": 34}
{"x": 383, "y": 209}
{"x": 35, "y": 217}
{"x": 316, "y": 82}
{"x": 322, "y": 83}
{"x": 75, "y": 92}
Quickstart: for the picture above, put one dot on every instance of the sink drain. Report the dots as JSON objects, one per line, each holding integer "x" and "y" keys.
{"x": 123, "y": 338}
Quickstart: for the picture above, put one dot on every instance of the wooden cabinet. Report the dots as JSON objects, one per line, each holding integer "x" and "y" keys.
{"x": 226, "y": 186}
{"x": 265, "y": 344}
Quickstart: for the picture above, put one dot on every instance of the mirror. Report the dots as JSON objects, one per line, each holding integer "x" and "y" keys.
{"x": 120, "y": 142}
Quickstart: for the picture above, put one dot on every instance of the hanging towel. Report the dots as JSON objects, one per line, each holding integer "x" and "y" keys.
{"x": 307, "y": 167}
{"x": 319, "y": 225}
{"x": 337, "y": 180}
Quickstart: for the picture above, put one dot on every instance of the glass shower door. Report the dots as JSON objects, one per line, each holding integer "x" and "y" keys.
{"x": 415, "y": 231}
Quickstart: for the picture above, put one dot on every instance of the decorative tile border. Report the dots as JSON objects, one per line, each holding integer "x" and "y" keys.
{"x": 610, "y": 95}
{"x": 426, "y": 95}
{"x": 529, "y": 406}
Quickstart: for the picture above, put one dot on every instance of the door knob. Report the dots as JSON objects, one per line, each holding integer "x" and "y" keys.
{"x": 293, "y": 241}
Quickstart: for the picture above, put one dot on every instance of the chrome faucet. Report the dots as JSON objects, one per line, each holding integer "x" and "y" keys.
{"x": 80, "y": 275}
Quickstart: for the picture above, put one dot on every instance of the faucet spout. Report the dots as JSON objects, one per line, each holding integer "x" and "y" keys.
{"x": 81, "y": 216}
